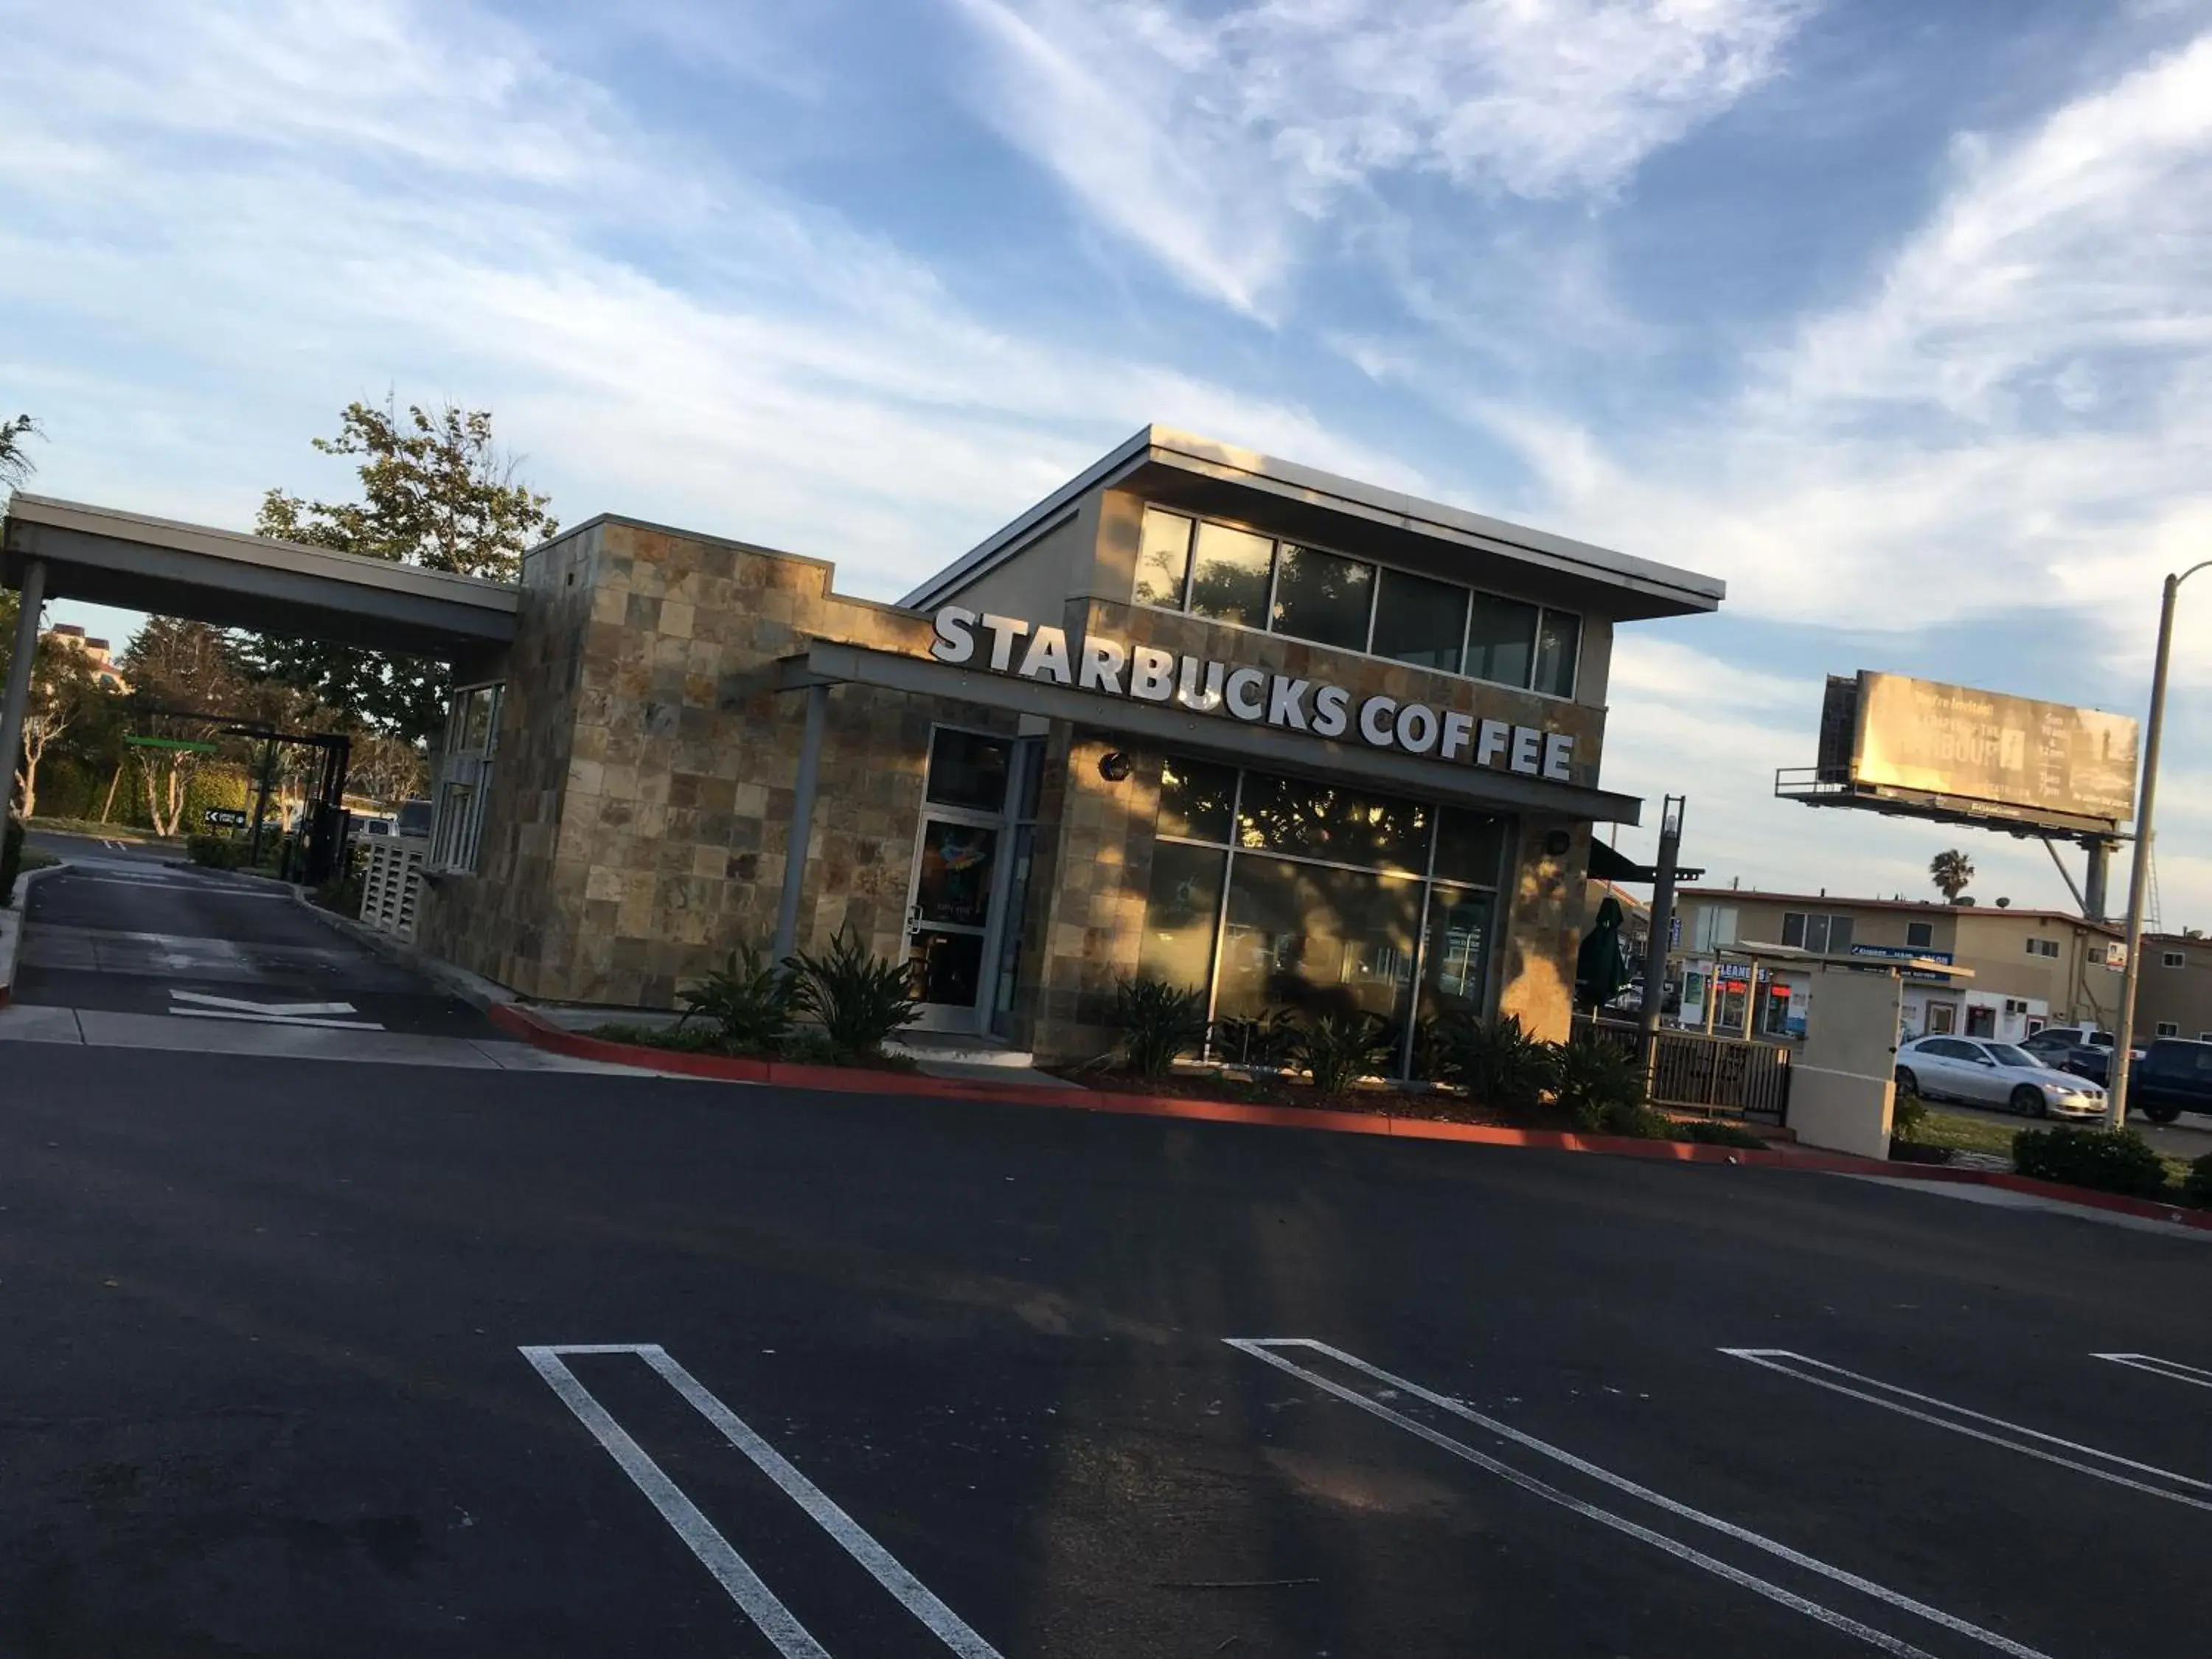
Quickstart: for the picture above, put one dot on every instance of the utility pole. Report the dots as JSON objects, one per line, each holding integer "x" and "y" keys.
{"x": 2116, "y": 1094}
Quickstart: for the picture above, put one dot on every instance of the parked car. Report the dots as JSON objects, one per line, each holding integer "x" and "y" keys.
{"x": 1980, "y": 1072}
{"x": 2084, "y": 1050}
{"x": 2173, "y": 1076}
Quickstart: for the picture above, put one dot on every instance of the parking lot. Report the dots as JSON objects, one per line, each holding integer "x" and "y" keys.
{"x": 312, "y": 1359}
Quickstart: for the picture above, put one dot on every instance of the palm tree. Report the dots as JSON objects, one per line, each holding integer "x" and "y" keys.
{"x": 15, "y": 467}
{"x": 1951, "y": 871}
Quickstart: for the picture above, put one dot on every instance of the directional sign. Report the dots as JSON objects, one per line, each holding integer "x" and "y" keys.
{"x": 200, "y": 1004}
{"x": 225, "y": 818}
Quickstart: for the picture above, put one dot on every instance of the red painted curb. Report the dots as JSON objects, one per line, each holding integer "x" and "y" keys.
{"x": 858, "y": 1081}
{"x": 546, "y": 1035}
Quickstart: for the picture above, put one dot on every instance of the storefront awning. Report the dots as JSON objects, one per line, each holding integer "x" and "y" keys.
{"x": 1605, "y": 865}
{"x": 1211, "y": 737}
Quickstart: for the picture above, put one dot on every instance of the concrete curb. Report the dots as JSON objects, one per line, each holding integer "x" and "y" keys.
{"x": 13, "y": 920}
{"x": 471, "y": 988}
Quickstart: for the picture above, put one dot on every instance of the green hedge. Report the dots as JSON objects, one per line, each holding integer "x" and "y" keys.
{"x": 2103, "y": 1160}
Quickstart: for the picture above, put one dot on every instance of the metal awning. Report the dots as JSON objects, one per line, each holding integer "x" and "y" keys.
{"x": 1606, "y": 864}
{"x": 1208, "y": 736}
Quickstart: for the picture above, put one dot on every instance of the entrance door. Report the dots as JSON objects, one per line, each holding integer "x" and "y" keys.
{"x": 959, "y": 868}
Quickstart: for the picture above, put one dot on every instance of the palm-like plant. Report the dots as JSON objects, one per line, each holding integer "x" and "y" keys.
{"x": 1339, "y": 1049}
{"x": 1951, "y": 871}
{"x": 747, "y": 1000}
{"x": 862, "y": 1000}
{"x": 1499, "y": 1062}
{"x": 1157, "y": 1021}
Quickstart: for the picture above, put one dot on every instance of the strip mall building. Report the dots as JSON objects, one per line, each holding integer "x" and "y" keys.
{"x": 1296, "y": 740}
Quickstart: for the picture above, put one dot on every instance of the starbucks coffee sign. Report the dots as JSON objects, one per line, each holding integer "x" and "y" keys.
{"x": 1145, "y": 673}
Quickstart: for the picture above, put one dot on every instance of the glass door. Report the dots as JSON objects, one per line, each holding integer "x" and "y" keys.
{"x": 958, "y": 878}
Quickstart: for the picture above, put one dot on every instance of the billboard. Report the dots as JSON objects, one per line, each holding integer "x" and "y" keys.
{"x": 2014, "y": 757}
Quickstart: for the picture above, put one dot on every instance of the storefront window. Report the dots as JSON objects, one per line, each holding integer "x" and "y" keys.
{"x": 1557, "y": 643}
{"x": 967, "y": 769}
{"x": 1323, "y": 598}
{"x": 1229, "y": 577}
{"x": 1317, "y": 821}
{"x": 1162, "y": 558}
{"x": 1501, "y": 640}
{"x": 1198, "y": 799}
{"x": 1181, "y": 911}
{"x": 1352, "y": 605}
{"x": 1456, "y": 957}
{"x": 1420, "y": 621}
{"x": 1316, "y": 940}
{"x": 1319, "y": 897}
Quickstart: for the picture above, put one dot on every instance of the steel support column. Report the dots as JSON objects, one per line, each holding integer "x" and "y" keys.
{"x": 18, "y": 697}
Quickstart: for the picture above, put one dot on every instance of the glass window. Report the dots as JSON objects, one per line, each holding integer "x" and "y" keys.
{"x": 1918, "y": 935}
{"x": 1501, "y": 640}
{"x": 2005, "y": 1054}
{"x": 1314, "y": 821}
{"x": 967, "y": 769}
{"x": 1419, "y": 620}
{"x": 1319, "y": 940}
{"x": 1229, "y": 579}
{"x": 954, "y": 884}
{"x": 1162, "y": 558}
{"x": 1323, "y": 598}
{"x": 1470, "y": 847}
{"x": 1455, "y": 958}
{"x": 1839, "y": 935}
{"x": 1793, "y": 928}
{"x": 1180, "y": 913}
{"x": 1816, "y": 934}
{"x": 1196, "y": 799}
{"x": 1557, "y": 642}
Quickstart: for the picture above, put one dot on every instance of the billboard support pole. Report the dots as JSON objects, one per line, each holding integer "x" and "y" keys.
{"x": 2096, "y": 904}
{"x": 2116, "y": 1098}
{"x": 1663, "y": 927}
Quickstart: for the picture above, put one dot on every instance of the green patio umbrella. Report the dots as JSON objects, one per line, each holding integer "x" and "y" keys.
{"x": 1601, "y": 967}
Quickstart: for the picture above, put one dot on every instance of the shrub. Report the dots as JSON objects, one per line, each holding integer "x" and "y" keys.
{"x": 1600, "y": 1083}
{"x": 1707, "y": 1133}
{"x": 11, "y": 858}
{"x": 1906, "y": 1117}
{"x": 2196, "y": 1185}
{"x": 1339, "y": 1049}
{"x": 2105, "y": 1160}
{"x": 747, "y": 1000}
{"x": 1158, "y": 1021}
{"x": 1269, "y": 1041}
{"x": 861, "y": 999}
{"x": 216, "y": 852}
{"x": 1497, "y": 1061}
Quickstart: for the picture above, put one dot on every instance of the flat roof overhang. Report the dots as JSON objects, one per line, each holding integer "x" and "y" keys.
{"x": 1201, "y": 475}
{"x": 106, "y": 556}
{"x": 1208, "y": 736}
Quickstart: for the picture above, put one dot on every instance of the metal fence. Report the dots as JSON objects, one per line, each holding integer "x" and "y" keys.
{"x": 1725, "y": 1076}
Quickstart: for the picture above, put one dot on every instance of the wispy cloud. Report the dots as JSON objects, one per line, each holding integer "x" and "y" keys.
{"x": 419, "y": 199}
{"x": 1214, "y": 138}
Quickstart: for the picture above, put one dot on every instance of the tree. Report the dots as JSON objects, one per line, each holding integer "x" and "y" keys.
{"x": 1951, "y": 872}
{"x": 16, "y": 467}
{"x": 64, "y": 693}
{"x": 436, "y": 491}
{"x": 188, "y": 668}
{"x": 385, "y": 770}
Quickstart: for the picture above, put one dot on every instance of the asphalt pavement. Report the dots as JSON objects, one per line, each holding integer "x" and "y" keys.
{"x": 130, "y": 930}
{"x": 294, "y": 1367}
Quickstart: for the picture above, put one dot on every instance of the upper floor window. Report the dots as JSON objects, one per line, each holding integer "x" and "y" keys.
{"x": 2173, "y": 959}
{"x": 1231, "y": 575}
{"x": 1822, "y": 935}
{"x": 2043, "y": 947}
{"x": 1919, "y": 935}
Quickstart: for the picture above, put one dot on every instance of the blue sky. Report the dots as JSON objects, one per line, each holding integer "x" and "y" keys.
{"x": 1897, "y": 316}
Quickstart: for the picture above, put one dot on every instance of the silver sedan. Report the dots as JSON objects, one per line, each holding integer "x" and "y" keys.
{"x": 1980, "y": 1072}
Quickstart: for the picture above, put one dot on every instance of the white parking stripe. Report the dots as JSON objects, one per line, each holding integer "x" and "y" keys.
{"x": 1262, "y": 1348}
{"x": 856, "y": 1541}
{"x": 759, "y": 1603}
{"x": 2013, "y": 1437}
{"x": 2173, "y": 1368}
{"x": 275, "y": 1019}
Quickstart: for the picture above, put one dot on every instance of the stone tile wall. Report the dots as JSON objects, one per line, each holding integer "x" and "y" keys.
{"x": 662, "y": 843}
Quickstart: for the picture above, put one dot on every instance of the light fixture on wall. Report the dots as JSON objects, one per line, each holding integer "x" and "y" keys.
{"x": 1113, "y": 766}
{"x": 1556, "y": 842}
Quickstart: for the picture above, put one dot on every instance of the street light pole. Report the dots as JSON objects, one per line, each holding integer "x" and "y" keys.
{"x": 2116, "y": 1076}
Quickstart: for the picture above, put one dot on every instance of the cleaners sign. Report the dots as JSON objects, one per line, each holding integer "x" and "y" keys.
{"x": 1145, "y": 673}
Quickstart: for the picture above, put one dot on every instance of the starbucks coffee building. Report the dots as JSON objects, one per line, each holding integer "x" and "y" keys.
{"x": 1296, "y": 741}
